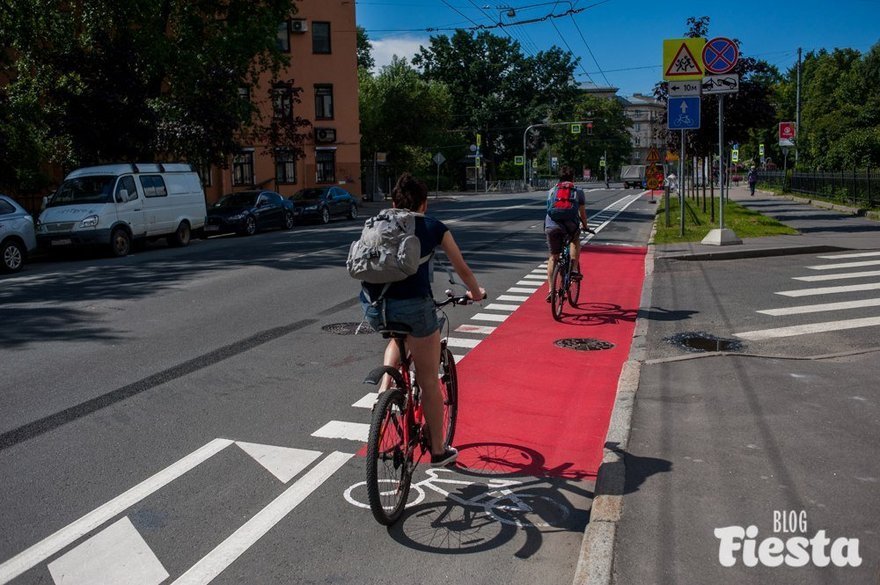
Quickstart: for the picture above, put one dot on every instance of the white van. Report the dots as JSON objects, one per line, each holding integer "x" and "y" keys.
{"x": 117, "y": 204}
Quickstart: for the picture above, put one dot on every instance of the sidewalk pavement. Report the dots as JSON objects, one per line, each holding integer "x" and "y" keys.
{"x": 788, "y": 444}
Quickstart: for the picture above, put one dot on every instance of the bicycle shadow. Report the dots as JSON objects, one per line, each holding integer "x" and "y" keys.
{"x": 507, "y": 495}
{"x": 596, "y": 313}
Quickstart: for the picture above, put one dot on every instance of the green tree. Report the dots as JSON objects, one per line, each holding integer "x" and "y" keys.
{"x": 496, "y": 90}
{"x": 100, "y": 80}
{"x": 402, "y": 115}
{"x": 364, "y": 50}
{"x": 609, "y": 135}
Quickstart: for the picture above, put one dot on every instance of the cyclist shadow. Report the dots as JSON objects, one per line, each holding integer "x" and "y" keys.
{"x": 595, "y": 313}
{"x": 498, "y": 493}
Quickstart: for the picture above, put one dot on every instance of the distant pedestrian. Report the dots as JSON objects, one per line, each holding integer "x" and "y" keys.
{"x": 753, "y": 180}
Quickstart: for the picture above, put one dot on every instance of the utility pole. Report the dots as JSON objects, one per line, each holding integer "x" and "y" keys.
{"x": 797, "y": 119}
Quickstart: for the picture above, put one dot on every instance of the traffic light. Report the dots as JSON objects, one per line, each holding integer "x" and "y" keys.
{"x": 589, "y": 128}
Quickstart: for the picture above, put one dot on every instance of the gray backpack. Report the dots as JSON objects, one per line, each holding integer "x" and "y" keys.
{"x": 388, "y": 249}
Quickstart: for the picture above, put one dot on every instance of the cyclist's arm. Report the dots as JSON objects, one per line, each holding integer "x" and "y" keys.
{"x": 461, "y": 268}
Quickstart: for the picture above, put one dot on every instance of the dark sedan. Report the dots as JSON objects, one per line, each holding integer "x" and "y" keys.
{"x": 248, "y": 212}
{"x": 322, "y": 203}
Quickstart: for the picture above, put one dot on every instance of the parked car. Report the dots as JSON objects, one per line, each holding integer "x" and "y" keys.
{"x": 17, "y": 235}
{"x": 247, "y": 212}
{"x": 114, "y": 205}
{"x": 322, "y": 203}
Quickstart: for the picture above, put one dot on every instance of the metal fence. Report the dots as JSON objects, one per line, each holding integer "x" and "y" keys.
{"x": 856, "y": 188}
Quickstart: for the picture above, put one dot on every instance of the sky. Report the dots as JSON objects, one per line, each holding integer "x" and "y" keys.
{"x": 620, "y": 42}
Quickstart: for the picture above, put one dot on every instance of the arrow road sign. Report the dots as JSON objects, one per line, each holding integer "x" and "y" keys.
{"x": 683, "y": 113}
{"x": 721, "y": 83}
{"x": 684, "y": 88}
{"x": 720, "y": 55}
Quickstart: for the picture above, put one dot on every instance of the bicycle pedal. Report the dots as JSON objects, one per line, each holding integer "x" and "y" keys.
{"x": 577, "y": 276}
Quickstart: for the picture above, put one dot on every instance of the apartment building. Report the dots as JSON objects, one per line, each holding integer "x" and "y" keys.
{"x": 648, "y": 117}
{"x": 321, "y": 40}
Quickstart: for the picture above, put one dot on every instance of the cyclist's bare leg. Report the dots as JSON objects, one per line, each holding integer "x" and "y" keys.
{"x": 426, "y": 356}
{"x": 551, "y": 264}
{"x": 392, "y": 358}
{"x": 575, "y": 250}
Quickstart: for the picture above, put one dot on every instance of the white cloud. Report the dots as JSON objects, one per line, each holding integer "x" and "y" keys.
{"x": 404, "y": 46}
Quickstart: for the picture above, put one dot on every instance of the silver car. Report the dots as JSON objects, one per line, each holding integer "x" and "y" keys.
{"x": 17, "y": 236}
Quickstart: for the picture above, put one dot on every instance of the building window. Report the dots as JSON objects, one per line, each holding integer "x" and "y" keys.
{"x": 325, "y": 166}
{"x": 244, "y": 93}
{"x": 204, "y": 172}
{"x": 243, "y": 168}
{"x": 321, "y": 37}
{"x": 283, "y": 39}
{"x": 324, "y": 102}
{"x": 285, "y": 167}
{"x": 282, "y": 103}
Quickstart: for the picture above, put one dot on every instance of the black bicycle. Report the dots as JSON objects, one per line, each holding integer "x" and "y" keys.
{"x": 398, "y": 436}
{"x": 566, "y": 284}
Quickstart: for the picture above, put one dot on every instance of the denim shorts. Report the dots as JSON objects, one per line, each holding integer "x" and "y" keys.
{"x": 419, "y": 313}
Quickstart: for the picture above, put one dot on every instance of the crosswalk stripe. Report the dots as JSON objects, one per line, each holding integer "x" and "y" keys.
{"x": 337, "y": 429}
{"x": 489, "y": 317}
{"x": 842, "y": 275}
{"x": 829, "y": 290}
{"x": 539, "y": 271}
{"x": 522, "y": 289}
{"x": 534, "y": 283}
{"x": 845, "y": 265}
{"x": 514, "y": 298}
{"x": 763, "y": 334}
{"x": 501, "y": 307}
{"x": 855, "y": 255}
{"x": 461, "y": 342}
{"x": 367, "y": 401}
{"x": 821, "y": 307}
{"x": 481, "y": 329}
{"x": 538, "y": 277}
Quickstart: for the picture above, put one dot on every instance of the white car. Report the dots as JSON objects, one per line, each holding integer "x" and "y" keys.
{"x": 17, "y": 237}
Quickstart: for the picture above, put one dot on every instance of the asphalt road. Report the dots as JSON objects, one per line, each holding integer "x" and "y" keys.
{"x": 156, "y": 407}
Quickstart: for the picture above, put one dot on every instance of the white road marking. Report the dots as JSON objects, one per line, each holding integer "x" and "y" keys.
{"x": 514, "y": 298}
{"x": 337, "y": 429}
{"x": 821, "y": 308}
{"x": 461, "y": 342}
{"x": 845, "y": 265}
{"x": 809, "y": 328}
{"x": 539, "y": 271}
{"x": 215, "y": 562}
{"x": 829, "y": 290}
{"x": 482, "y": 329}
{"x": 75, "y": 530}
{"x": 842, "y": 275}
{"x": 285, "y": 463}
{"x": 534, "y": 283}
{"x": 118, "y": 555}
{"x": 367, "y": 401}
{"x": 524, "y": 289}
{"x": 539, "y": 277}
{"x": 853, "y": 255}
{"x": 489, "y": 317}
{"x": 501, "y": 307}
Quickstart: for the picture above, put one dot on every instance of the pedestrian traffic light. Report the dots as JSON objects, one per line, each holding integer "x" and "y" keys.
{"x": 589, "y": 128}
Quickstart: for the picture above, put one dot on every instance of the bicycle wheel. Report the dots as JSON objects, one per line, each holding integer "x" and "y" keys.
{"x": 449, "y": 390}
{"x": 574, "y": 290}
{"x": 388, "y": 468}
{"x": 557, "y": 294}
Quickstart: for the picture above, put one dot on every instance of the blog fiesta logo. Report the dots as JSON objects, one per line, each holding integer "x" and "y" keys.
{"x": 738, "y": 543}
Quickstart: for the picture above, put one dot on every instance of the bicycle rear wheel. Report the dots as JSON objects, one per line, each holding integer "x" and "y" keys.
{"x": 449, "y": 390}
{"x": 574, "y": 290}
{"x": 389, "y": 469}
{"x": 557, "y": 294}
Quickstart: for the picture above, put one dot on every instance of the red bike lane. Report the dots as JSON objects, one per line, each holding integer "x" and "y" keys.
{"x": 529, "y": 406}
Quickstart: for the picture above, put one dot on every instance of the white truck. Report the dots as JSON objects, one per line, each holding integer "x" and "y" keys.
{"x": 633, "y": 176}
{"x": 114, "y": 205}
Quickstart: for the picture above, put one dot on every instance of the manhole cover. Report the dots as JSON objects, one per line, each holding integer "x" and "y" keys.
{"x": 702, "y": 342}
{"x": 583, "y": 344}
{"x": 349, "y": 328}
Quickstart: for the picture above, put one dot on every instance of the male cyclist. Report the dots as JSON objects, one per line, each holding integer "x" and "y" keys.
{"x": 566, "y": 212}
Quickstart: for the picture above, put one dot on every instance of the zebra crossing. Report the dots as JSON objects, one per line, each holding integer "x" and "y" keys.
{"x": 823, "y": 285}
{"x": 467, "y": 336}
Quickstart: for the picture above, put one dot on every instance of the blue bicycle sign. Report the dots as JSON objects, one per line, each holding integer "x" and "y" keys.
{"x": 683, "y": 113}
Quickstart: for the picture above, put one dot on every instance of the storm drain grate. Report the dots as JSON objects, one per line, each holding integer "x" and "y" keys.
{"x": 697, "y": 342}
{"x": 583, "y": 344}
{"x": 360, "y": 328}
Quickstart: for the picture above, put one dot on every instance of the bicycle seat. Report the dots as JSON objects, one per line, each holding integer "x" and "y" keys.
{"x": 395, "y": 330}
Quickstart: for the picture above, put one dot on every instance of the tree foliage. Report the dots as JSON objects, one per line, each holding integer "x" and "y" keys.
{"x": 102, "y": 80}
{"x": 496, "y": 90}
{"x": 364, "y": 50}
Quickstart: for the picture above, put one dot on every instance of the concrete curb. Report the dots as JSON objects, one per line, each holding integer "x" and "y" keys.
{"x": 822, "y": 204}
{"x": 596, "y": 560}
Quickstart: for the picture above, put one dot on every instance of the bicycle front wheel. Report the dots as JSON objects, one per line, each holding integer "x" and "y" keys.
{"x": 389, "y": 467}
{"x": 449, "y": 390}
{"x": 557, "y": 293}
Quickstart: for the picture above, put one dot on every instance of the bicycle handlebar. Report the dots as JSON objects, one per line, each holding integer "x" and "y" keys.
{"x": 456, "y": 300}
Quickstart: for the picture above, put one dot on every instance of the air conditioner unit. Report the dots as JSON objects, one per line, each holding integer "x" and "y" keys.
{"x": 299, "y": 25}
{"x": 325, "y": 135}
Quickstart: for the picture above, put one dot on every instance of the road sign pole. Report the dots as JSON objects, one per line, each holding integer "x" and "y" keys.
{"x": 721, "y": 158}
{"x": 681, "y": 186}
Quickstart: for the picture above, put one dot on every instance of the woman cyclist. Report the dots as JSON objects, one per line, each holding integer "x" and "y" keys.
{"x": 411, "y": 301}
